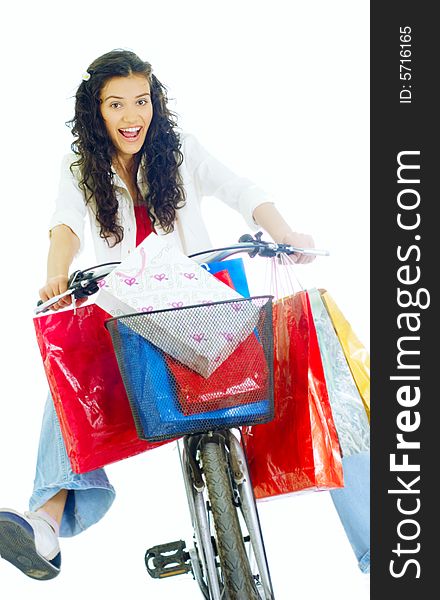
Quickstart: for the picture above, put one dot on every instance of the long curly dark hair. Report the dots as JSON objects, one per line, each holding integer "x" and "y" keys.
{"x": 160, "y": 151}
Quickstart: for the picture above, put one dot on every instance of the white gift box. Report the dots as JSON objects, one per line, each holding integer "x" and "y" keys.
{"x": 157, "y": 276}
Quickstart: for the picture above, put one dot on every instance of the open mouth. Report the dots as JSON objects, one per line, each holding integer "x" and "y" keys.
{"x": 130, "y": 133}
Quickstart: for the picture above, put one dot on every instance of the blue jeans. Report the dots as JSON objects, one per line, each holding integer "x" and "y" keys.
{"x": 90, "y": 494}
{"x": 352, "y": 503}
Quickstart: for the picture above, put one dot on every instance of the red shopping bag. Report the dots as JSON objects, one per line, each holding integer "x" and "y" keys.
{"x": 87, "y": 389}
{"x": 241, "y": 379}
{"x": 299, "y": 449}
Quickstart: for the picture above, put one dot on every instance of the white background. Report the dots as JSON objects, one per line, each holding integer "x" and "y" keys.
{"x": 277, "y": 91}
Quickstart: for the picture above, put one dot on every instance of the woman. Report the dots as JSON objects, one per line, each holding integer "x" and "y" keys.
{"x": 131, "y": 173}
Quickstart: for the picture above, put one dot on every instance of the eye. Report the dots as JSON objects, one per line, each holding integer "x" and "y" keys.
{"x": 115, "y": 104}
{"x": 143, "y": 101}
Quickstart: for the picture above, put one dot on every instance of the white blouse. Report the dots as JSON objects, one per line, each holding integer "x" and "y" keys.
{"x": 202, "y": 175}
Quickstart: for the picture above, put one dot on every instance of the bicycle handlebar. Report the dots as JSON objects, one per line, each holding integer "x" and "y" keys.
{"x": 255, "y": 246}
{"x": 84, "y": 283}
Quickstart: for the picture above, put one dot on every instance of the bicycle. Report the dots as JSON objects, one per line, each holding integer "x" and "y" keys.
{"x": 227, "y": 558}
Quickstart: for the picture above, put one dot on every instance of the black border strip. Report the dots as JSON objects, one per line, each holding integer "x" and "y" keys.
{"x": 411, "y": 128}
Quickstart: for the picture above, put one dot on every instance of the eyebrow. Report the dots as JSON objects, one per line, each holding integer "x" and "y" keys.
{"x": 122, "y": 98}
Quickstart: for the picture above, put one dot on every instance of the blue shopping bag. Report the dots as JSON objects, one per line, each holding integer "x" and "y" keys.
{"x": 152, "y": 394}
{"x": 236, "y": 271}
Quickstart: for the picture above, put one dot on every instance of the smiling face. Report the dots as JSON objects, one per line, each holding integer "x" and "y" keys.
{"x": 127, "y": 112}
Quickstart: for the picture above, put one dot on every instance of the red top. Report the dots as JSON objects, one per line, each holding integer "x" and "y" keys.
{"x": 143, "y": 223}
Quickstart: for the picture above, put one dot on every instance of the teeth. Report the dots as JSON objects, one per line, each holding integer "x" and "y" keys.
{"x": 131, "y": 129}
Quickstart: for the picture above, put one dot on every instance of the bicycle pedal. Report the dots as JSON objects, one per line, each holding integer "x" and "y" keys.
{"x": 167, "y": 560}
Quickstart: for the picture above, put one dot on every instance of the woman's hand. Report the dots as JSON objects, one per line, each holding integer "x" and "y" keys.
{"x": 300, "y": 240}
{"x": 53, "y": 287}
{"x": 273, "y": 222}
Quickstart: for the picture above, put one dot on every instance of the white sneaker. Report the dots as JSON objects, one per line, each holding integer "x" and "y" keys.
{"x": 30, "y": 543}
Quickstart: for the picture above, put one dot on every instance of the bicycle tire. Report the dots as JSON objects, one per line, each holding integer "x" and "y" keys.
{"x": 237, "y": 574}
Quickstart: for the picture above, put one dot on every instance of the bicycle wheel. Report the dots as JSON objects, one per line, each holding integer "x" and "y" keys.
{"x": 236, "y": 571}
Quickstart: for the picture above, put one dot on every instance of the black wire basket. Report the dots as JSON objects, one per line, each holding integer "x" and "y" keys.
{"x": 197, "y": 368}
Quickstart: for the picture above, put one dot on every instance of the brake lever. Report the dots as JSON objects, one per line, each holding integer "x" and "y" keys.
{"x": 53, "y": 301}
{"x": 81, "y": 284}
{"x": 246, "y": 238}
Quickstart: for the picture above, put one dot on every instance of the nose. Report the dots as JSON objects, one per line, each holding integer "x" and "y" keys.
{"x": 130, "y": 115}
